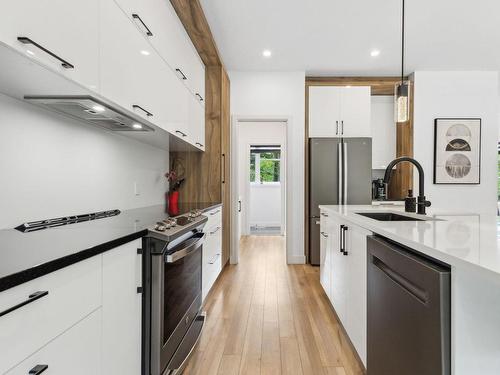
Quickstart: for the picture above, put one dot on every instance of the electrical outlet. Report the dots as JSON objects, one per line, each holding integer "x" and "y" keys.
{"x": 136, "y": 189}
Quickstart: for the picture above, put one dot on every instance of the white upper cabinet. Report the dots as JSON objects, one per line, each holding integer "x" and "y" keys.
{"x": 63, "y": 35}
{"x": 337, "y": 111}
{"x": 159, "y": 23}
{"x": 324, "y": 111}
{"x": 135, "y": 77}
{"x": 355, "y": 112}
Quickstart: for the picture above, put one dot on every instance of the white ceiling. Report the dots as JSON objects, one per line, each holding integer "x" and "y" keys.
{"x": 335, "y": 37}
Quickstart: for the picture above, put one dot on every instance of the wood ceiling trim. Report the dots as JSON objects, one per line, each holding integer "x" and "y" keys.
{"x": 191, "y": 14}
{"x": 379, "y": 85}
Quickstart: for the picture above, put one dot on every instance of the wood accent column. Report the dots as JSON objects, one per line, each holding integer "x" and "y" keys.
{"x": 208, "y": 173}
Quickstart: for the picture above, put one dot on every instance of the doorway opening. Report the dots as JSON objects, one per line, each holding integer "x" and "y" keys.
{"x": 259, "y": 179}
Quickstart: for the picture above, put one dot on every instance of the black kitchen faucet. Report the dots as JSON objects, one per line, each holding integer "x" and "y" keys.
{"x": 422, "y": 203}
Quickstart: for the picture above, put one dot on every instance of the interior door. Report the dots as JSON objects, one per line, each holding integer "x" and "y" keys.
{"x": 355, "y": 108}
{"x": 324, "y": 111}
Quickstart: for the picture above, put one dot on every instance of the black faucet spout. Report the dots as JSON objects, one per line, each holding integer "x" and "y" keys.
{"x": 422, "y": 203}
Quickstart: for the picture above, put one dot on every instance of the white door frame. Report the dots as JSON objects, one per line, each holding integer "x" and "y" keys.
{"x": 235, "y": 121}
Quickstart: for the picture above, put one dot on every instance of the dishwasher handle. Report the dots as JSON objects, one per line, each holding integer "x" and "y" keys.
{"x": 401, "y": 281}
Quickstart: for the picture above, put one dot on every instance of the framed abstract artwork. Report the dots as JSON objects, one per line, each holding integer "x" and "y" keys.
{"x": 457, "y": 151}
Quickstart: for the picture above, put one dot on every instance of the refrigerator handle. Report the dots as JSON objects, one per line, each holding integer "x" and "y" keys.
{"x": 340, "y": 172}
{"x": 345, "y": 170}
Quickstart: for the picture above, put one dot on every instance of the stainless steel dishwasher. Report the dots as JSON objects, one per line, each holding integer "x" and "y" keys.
{"x": 408, "y": 312}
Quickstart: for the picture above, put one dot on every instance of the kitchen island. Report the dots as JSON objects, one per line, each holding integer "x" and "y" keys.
{"x": 468, "y": 243}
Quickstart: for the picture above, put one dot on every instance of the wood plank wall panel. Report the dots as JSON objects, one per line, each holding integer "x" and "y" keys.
{"x": 193, "y": 18}
{"x": 379, "y": 85}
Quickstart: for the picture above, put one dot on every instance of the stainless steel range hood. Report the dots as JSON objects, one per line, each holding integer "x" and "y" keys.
{"x": 91, "y": 110}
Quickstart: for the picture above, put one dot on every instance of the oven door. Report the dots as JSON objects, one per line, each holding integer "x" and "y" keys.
{"x": 175, "y": 298}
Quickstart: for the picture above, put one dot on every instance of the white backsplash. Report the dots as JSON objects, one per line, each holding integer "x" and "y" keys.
{"x": 52, "y": 166}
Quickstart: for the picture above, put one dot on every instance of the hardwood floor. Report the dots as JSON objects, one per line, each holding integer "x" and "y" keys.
{"x": 265, "y": 317}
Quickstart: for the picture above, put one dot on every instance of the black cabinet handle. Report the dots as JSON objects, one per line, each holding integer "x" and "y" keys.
{"x": 323, "y": 214}
{"x": 214, "y": 213}
{"x": 324, "y": 234}
{"x": 183, "y": 76}
{"x": 148, "y": 32}
{"x": 337, "y": 131}
{"x": 64, "y": 63}
{"x": 181, "y": 133}
{"x": 341, "y": 239}
{"x": 342, "y": 123}
{"x": 199, "y": 97}
{"x": 31, "y": 298}
{"x": 239, "y": 206}
{"x": 38, "y": 369}
{"x": 199, "y": 144}
{"x": 136, "y": 106}
{"x": 346, "y": 228}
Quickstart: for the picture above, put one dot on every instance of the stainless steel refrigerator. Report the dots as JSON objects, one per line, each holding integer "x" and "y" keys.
{"x": 340, "y": 172}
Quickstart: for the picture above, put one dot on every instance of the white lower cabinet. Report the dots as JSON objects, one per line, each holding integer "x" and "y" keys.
{"x": 66, "y": 296}
{"x": 77, "y": 352}
{"x": 345, "y": 260}
{"x": 121, "y": 310}
{"x": 88, "y": 319}
{"x": 212, "y": 250}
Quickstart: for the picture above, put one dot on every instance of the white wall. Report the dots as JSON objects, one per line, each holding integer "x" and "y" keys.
{"x": 383, "y": 131}
{"x": 259, "y": 203}
{"x": 279, "y": 94}
{"x": 458, "y": 94}
{"x": 53, "y": 166}
{"x": 265, "y": 205}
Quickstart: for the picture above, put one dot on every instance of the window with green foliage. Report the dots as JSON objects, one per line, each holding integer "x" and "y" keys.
{"x": 265, "y": 164}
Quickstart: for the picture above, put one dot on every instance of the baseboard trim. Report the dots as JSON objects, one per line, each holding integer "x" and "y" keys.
{"x": 296, "y": 259}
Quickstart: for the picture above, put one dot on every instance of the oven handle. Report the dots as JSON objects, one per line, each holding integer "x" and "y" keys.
{"x": 185, "y": 251}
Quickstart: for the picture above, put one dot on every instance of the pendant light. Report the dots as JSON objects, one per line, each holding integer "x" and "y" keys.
{"x": 402, "y": 90}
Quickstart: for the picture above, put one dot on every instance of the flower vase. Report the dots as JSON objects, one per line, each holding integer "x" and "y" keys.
{"x": 173, "y": 203}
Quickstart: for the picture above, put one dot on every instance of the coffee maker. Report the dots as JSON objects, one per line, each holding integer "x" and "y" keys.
{"x": 379, "y": 190}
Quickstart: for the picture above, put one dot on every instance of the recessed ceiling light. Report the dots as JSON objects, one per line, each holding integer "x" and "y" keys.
{"x": 145, "y": 53}
{"x": 266, "y": 53}
{"x": 348, "y": 87}
{"x": 375, "y": 53}
{"x": 137, "y": 126}
{"x": 98, "y": 108}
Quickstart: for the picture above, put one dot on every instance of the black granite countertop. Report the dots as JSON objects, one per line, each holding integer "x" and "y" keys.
{"x": 26, "y": 256}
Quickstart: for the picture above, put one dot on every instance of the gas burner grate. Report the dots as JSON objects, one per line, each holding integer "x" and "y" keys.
{"x": 66, "y": 220}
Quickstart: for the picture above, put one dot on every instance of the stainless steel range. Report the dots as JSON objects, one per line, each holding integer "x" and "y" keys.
{"x": 173, "y": 320}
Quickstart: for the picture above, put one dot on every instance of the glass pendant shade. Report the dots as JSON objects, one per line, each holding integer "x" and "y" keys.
{"x": 402, "y": 104}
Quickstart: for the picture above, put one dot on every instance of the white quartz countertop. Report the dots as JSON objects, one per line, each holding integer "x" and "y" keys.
{"x": 460, "y": 240}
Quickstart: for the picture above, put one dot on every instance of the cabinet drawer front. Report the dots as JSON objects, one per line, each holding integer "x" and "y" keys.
{"x": 73, "y": 292}
{"x": 213, "y": 243}
{"x": 77, "y": 351}
{"x": 214, "y": 218}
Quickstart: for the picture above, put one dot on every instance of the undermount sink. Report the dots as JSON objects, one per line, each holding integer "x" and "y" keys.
{"x": 389, "y": 216}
